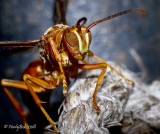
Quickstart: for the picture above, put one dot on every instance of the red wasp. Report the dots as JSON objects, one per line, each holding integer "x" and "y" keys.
{"x": 61, "y": 49}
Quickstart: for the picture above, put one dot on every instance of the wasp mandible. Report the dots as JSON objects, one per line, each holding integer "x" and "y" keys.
{"x": 61, "y": 49}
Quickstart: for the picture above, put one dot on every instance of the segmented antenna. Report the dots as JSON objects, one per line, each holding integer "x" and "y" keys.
{"x": 116, "y": 15}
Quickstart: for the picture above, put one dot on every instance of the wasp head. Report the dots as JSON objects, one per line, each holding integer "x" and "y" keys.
{"x": 77, "y": 40}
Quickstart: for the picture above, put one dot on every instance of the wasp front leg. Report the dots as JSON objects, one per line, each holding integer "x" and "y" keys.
{"x": 99, "y": 80}
{"x": 103, "y": 65}
{"x": 59, "y": 60}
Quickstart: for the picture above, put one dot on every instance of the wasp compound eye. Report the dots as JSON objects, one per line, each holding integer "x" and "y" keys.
{"x": 72, "y": 39}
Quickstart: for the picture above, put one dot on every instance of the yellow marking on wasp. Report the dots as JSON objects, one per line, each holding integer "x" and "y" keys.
{"x": 87, "y": 39}
{"x": 82, "y": 47}
{"x": 80, "y": 42}
{"x": 83, "y": 28}
{"x": 73, "y": 29}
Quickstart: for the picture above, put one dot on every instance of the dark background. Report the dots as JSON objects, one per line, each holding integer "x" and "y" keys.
{"x": 112, "y": 40}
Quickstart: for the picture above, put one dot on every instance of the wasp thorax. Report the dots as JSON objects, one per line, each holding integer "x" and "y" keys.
{"x": 77, "y": 39}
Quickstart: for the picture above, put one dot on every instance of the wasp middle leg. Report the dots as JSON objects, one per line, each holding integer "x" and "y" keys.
{"x": 32, "y": 84}
{"x": 28, "y": 86}
{"x": 38, "y": 102}
{"x": 22, "y": 113}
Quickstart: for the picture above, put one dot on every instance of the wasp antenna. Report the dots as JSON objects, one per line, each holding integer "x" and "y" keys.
{"x": 82, "y": 20}
{"x": 116, "y": 15}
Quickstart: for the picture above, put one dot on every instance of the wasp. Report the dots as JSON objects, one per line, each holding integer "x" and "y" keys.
{"x": 63, "y": 50}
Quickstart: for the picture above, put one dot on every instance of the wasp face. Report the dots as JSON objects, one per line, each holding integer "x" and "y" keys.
{"x": 77, "y": 40}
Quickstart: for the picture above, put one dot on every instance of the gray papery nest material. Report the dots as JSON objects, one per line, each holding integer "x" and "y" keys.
{"x": 135, "y": 110}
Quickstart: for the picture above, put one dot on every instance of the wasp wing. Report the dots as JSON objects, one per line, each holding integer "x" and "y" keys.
{"x": 13, "y": 47}
{"x": 59, "y": 14}
{"x": 18, "y": 44}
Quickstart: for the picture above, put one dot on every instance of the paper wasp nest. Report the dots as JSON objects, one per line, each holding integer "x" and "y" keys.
{"x": 136, "y": 109}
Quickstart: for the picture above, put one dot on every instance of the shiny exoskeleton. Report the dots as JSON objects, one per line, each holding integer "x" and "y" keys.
{"x": 61, "y": 49}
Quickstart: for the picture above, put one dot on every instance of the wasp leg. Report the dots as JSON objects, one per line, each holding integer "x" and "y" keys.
{"x": 27, "y": 78}
{"x": 38, "y": 86}
{"x": 18, "y": 108}
{"x": 104, "y": 65}
{"x": 102, "y": 61}
{"x": 20, "y": 85}
{"x": 58, "y": 58}
{"x": 99, "y": 79}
